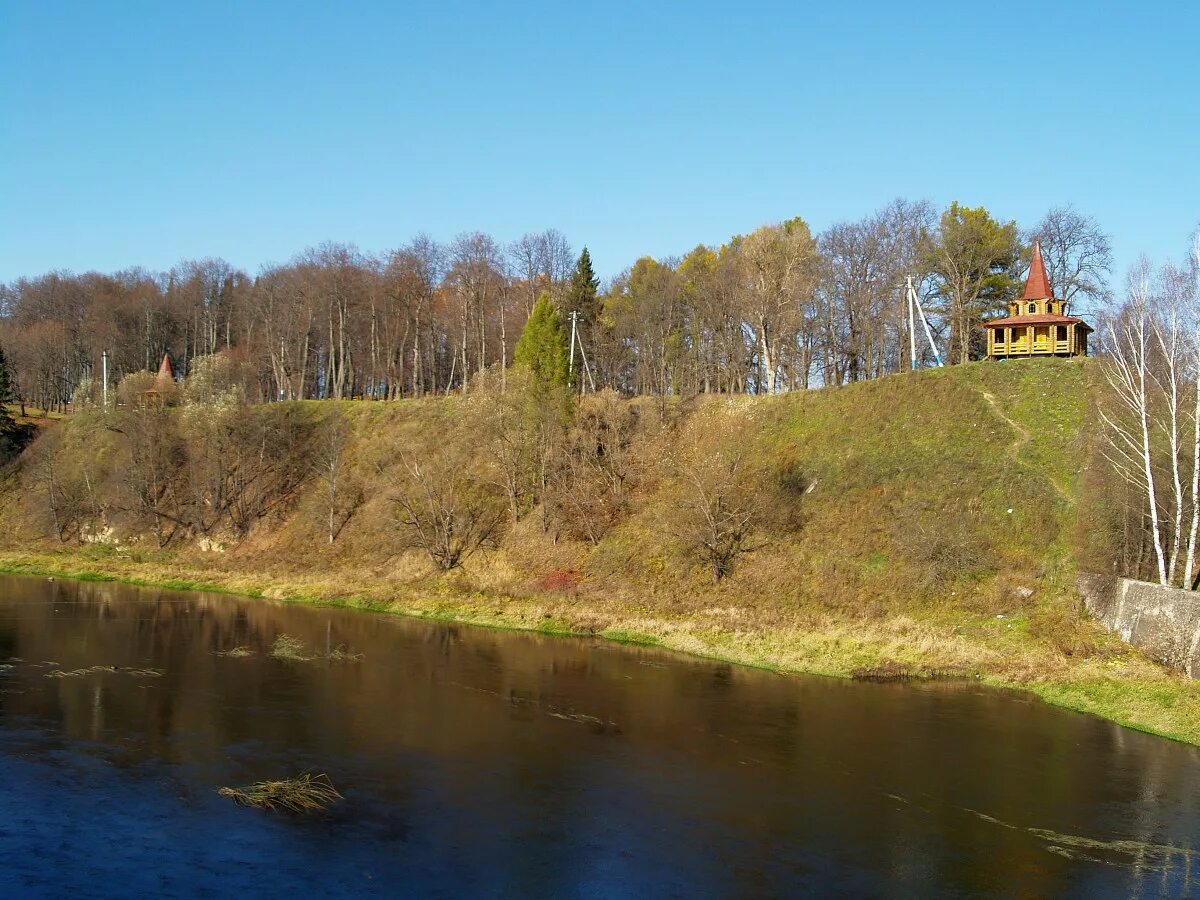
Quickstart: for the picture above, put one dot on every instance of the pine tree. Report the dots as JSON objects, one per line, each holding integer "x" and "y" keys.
{"x": 6, "y": 392}
{"x": 543, "y": 345}
{"x": 973, "y": 258}
{"x": 581, "y": 296}
{"x": 12, "y": 436}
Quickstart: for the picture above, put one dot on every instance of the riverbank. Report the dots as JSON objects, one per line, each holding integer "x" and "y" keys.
{"x": 1114, "y": 683}
{"x": 922, "y": 526}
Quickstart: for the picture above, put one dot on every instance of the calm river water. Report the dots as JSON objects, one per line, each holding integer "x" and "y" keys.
{"x": 482, "y": 763}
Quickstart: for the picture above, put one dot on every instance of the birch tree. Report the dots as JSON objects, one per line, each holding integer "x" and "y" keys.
{"x": 1190, "y": 287}
{"x": 1167, "y": 377}
{"x": 1127, "y": 371}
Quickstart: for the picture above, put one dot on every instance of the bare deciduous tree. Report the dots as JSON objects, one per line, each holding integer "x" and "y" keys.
{"x": 342, "y": 494}
{"x": 595, "y": 470}
{"x": 718, "y": 513}
{"x": 442, "y": 511}
{"x": 1077, "y": 253}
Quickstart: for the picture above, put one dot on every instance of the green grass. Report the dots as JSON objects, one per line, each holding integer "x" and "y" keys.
{"x": 1168, "y": 707}
{"x": 630, "y": 637}
{"x": 63, "y": 567}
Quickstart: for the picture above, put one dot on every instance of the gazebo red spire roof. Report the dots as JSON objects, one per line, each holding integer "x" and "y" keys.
{"x": 1037, "y": 284}
{"x": 166, "y": 373}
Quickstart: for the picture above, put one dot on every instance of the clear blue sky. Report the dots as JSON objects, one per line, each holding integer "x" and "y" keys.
{"x": 146, "y": 133}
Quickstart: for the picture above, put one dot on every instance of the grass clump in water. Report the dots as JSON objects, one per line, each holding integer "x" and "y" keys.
{"x": 236, "y": 652}
{"x": 307, "y": 793}
{"x": 342, "y": 654}
{"x": 92, "y": 670}
{"x": 288, "y": 646}
{"x": 75, "y": 673}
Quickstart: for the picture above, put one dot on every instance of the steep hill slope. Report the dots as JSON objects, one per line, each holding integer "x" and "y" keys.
{"x": 919, "y": 525}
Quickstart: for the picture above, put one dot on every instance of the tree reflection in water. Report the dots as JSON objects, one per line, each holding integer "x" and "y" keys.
{"x": 482, "y": 762}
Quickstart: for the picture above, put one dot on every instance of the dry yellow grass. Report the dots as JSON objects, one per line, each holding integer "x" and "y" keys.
{"x": 932, "y": 536}
{"x": 306, "y": 793}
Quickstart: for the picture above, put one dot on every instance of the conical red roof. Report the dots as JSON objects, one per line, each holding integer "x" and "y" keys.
{"x": 1037, "y": 285}
{"x": 166, "y": 373}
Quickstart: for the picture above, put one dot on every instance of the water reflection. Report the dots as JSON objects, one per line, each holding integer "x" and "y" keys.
{"x": 481, "y": 762}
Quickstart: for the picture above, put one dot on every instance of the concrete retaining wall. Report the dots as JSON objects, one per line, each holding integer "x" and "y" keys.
{"x": 1164, "y": 623}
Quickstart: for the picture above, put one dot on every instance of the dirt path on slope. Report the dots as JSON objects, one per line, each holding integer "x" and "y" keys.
{"x": 1023, "y": 438}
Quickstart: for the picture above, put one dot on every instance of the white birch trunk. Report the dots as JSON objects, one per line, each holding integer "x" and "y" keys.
{"x": 1127, "y": 374}
{"x": 1169, "y": 346}
{"x": 1144, "y": 420}
{"x": 1190, "y": 566}
{"x": 767, "y": 360}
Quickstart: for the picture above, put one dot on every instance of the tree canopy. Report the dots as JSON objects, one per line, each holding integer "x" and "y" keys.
{"x": 778, "y": 308}
{"x": 974, "y": 260}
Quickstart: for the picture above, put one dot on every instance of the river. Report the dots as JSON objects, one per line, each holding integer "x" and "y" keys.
{"x": 485, "y": 763}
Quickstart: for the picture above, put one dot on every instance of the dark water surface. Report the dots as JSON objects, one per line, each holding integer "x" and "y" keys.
{"x": 481, "y": 763}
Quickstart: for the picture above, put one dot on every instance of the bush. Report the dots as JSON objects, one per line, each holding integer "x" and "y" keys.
{"x": 446, "y": 510}
{"x": 1060, "y": 624}
{"x": 949, "y": 543}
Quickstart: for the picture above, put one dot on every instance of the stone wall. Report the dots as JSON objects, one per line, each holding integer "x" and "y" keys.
{"x": 1162, "y": 622}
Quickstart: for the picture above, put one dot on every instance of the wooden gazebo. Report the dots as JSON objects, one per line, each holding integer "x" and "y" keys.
{"x": 164, "y": 382}
{"x": 1038, "y": 323}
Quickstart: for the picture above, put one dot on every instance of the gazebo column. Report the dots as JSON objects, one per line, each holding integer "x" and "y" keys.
{"x": 1029, "y": 337}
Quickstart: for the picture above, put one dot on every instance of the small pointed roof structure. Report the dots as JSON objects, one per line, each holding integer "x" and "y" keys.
{"x": 1037, "y": 284}
{"x": 166, "y": 374}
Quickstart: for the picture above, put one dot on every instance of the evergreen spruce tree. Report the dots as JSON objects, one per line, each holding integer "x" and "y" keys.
{"x": 12, "y": 436}
{"x": 581, "y": 296}
{"x": 6, "y": 390}
{"x": 543, "y": 345}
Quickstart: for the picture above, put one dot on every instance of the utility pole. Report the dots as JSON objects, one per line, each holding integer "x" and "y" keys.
{"x": 916, "y": 306}
{"x": 912, "y": 327}
{"x": 571, "y": 364}
{"x": 587, "y": 370}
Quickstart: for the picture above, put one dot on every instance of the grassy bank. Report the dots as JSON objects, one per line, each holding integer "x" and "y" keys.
{"x": 1116, "y": 684}
{"x": 918, "y": 526}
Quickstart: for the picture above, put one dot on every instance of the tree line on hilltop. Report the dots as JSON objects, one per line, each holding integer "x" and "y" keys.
{"x": 777, "y": 309}
{"x": 201, "y": 456}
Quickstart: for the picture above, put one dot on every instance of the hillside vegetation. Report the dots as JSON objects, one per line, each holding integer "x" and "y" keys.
{"x": 919, "y": 525}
